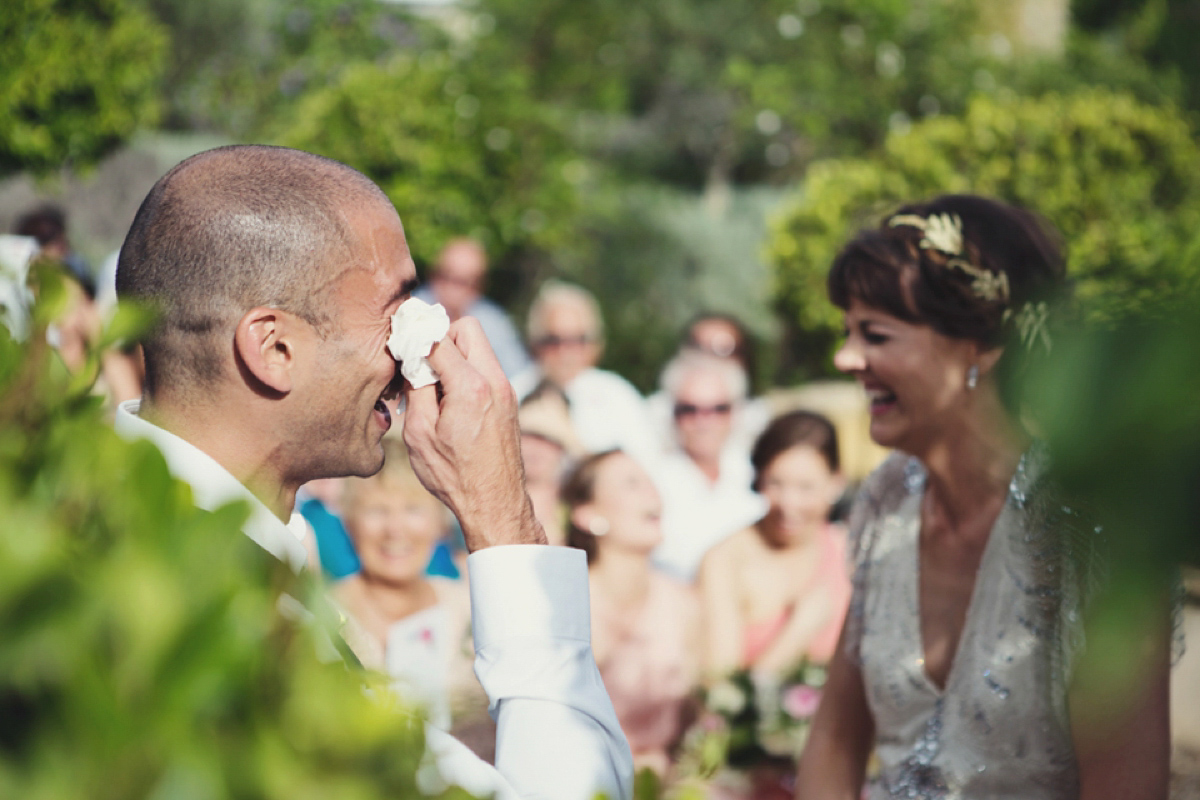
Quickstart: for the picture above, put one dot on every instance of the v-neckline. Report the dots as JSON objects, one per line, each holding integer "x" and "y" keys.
{"x": 967, "y": 627}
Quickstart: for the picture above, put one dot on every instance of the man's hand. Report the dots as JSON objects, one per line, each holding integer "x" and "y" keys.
{"x": 466, "y": 446}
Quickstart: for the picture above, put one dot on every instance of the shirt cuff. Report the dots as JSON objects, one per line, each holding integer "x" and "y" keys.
{"x": 528, "y": 591}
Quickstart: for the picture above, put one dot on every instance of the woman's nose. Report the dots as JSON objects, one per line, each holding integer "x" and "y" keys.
{"x": 849, "y": 358}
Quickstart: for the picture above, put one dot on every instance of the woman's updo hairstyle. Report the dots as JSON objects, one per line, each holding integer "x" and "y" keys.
{"x": 1012, "y": 258}
{"x": 579, "y": 489}
{"x": 968, "y": 267}
{"x": 791, "y": 430}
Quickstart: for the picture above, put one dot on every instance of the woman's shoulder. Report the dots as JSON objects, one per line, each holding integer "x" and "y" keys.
{"x": 736, "y": 547}
{"x": 898, "y": 470}
{"x": 899, "y": 476}
{"x": 347, "y": 593}
{"x": 450, "y": 592}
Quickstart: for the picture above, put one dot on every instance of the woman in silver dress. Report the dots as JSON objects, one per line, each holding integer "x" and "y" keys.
{"x": 955, "y": 666}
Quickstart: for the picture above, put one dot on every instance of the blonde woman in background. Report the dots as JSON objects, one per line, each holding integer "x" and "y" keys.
{"x": 414, "y": 627}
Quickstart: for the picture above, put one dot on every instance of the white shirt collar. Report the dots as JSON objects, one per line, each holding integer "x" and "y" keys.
{"x": 213, "y": 486}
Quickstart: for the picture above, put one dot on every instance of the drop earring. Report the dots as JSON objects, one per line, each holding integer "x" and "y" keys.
{"x": 972, "y": 376}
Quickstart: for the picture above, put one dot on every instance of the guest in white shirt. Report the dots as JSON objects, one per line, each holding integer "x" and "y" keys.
{"x": 566, "y": 333}
{"x": 706, "y": 481}
{"x": 275, "y": 274}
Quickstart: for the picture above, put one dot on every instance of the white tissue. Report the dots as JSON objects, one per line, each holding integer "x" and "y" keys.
{"x": 416, "y": 328}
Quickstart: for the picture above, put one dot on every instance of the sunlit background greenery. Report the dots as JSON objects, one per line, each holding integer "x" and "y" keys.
{"x": 671, "y": 155}
{"x": 643, "y": 148}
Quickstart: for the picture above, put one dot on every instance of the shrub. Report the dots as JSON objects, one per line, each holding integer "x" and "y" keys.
{"x": 1115, "y": 176}
{"x": 76, "y": 80}
{"x": 143, "y": 652}
{"x": 457, "y": 153}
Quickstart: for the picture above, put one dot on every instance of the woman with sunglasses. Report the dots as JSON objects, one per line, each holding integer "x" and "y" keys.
{"x": 962, "y": 642}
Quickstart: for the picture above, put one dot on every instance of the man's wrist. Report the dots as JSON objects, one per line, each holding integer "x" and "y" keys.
{"x": 517, "y": 526}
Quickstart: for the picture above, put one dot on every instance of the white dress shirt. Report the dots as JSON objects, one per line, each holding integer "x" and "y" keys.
{"x": 558, "y": 737}
{"x": 606, "y": 412}
{"x": 697, "y": 514}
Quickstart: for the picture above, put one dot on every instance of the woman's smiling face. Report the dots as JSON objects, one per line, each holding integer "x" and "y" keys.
{"x": 394, "y": 529}
{"x": 915, "y": 378}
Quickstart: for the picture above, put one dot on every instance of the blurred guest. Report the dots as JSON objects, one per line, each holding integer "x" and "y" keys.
{"x": 567, "y": 336}
{"x": 706, "y": 480}
{"x": 414, "y": 627}
{"x": 549, "y": 447}
{"x": 320, "y": 503}
{"x": 961, "y": 649}
{"x": 79, "y": 326}
{"x": 48, "y": 224}
{"x": 457, "y": 283}
{"x": 721, "y": 336}
{"x": 775, "y": 593}
{"x": 75, "y": 331}
{"x": 644, "y": 624}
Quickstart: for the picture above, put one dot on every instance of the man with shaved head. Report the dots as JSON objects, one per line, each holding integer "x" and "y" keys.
{"x": 275, "y": 274}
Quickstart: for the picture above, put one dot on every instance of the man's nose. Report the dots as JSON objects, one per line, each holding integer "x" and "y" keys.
{"x": 849, "y": 358}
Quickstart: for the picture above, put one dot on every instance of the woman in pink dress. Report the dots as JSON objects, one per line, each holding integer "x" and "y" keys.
{"x": 644, "y": 623}
{"x": 775, "y": 594}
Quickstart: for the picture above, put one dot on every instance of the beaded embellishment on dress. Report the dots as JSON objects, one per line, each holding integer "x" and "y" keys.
{"x": 999, "y": 725}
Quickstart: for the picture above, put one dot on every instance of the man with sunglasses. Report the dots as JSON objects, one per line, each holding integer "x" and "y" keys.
{"x": 705, "y": 481}
{"x": 566, "y": 334}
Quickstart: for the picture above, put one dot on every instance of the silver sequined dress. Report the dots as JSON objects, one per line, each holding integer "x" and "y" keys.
{"x": 1000, "y": 728}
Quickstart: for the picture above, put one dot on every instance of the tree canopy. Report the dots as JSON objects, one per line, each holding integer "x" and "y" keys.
{"x": 77, "y": 78}
{"x": 1115, "y": 176}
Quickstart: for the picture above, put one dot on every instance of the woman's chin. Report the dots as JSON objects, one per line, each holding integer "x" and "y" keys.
{"x": 393, "y": 577}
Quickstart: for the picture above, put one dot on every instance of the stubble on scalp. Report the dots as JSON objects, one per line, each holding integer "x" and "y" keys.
{"x": 229, "y": 230}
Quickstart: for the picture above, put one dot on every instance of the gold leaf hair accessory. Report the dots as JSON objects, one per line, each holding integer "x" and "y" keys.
{"x": 943, "y": 232}
{"x": 1030, "y": 323}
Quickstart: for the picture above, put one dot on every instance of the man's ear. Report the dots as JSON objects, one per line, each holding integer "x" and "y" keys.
{"x": 264, "y": 344}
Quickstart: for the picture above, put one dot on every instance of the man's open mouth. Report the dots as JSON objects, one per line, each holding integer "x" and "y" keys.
{"x": 384, "y": 414}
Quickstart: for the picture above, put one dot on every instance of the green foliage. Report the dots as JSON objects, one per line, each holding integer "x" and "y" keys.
{"x": 144, "y": 655}
{"x": 700, "y": 91}
{"x": 238, "y": 66}
{"x": 655, "y": 257}
{"x": 1116, "y": 177}
{"x": 76, "y": 79}
{"x": 1117, "y": 406}
{"x": 1161, "y": 33}
{"x": 458, "y": 151}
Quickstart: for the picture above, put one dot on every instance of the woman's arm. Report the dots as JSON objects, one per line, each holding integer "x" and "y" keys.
{"x": 1123, "y": 738}
{"x": 721, "y": 612}
{"x": 834, "y": 763}
{"x": 809, "y": 617}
